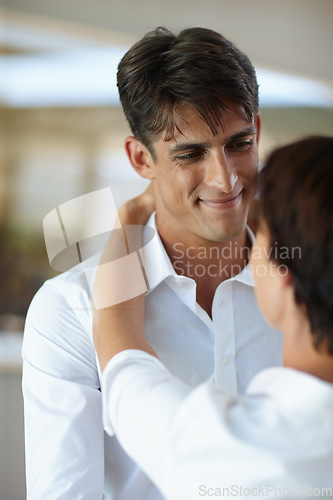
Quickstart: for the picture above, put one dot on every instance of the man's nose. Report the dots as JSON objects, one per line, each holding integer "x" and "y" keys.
{"x": 220, "y": 173}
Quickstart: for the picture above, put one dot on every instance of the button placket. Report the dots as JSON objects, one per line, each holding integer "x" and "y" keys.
{"x": 223, "y": 318}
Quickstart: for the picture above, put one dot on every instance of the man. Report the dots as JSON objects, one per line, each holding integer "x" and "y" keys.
{"x": 192, "y": 103}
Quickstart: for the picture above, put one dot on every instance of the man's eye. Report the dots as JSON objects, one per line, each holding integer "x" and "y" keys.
{"x": 194, "y": 155}
{"x": 241, "y": 145}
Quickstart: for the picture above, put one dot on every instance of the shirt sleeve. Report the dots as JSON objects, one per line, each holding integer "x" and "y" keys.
{"x": 62, "y": 403}
{"x": 140, "y": 400}
{"x": 190, "y": 442}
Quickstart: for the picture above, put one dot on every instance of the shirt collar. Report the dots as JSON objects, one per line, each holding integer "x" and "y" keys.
{"x": 156, "y": 261}
{"x": 159, "y": 269}
{"x": 295, "y": 391}
{"x": 158, "y": 266}
{"x": 245, "y": 276}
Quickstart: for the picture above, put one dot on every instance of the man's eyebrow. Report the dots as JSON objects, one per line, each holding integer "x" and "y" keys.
{"x": 185, "y": 146}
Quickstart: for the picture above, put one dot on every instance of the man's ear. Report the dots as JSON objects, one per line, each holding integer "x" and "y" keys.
{"x": 140, "y": 157}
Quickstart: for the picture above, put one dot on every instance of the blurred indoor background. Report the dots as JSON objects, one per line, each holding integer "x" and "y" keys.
{"x": 62, "y": 129}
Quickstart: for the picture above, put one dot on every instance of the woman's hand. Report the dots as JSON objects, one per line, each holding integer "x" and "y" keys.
{"x": 137, "y": 210}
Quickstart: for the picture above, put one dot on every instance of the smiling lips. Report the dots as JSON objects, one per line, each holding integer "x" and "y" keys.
{"x": 223, "y": 203}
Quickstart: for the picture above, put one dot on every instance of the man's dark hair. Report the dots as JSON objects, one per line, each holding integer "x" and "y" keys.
{"x": 296, "y": 203}
{"x": 198, "y": 67}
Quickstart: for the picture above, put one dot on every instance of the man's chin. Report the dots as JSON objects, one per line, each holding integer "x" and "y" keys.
{"x": 223, "y": 235}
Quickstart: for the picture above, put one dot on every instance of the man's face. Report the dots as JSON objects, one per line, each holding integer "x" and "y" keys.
{"x": 202, "y": 182}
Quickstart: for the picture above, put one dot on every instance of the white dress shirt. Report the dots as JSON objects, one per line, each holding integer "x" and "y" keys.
{"x": 68, "y": 455}
{"x": 275, "y": 441}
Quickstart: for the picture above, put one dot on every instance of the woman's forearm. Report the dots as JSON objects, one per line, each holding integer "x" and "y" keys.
{"x": 118, "y": 328}
{"x": 118, "y": 323}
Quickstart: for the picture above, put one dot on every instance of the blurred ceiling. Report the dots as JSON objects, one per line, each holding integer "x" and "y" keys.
{"x": 290, "y": 35}
{"x": 294, "y": 37}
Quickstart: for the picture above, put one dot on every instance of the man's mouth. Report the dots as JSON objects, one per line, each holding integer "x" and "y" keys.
{"x": 222, "y": 203}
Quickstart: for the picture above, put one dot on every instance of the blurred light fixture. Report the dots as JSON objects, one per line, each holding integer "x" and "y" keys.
{"x": 278, "y": 89}
{"x": 84, "y": 77}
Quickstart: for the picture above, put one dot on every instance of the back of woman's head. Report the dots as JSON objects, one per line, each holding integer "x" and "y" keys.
{"x": 296, "y": 205}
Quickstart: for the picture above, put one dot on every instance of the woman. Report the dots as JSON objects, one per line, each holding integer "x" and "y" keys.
{"x": 277, "y": 440}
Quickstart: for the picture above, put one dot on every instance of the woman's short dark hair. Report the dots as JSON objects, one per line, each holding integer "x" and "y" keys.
{"x": 296, "y": 203}
{"x": 198, "y": 67}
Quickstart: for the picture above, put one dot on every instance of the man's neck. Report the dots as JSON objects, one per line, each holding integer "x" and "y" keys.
{"x": 207, "y": 262}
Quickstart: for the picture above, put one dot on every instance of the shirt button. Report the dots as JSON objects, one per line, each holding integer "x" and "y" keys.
{"x": 225, "y": 360}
